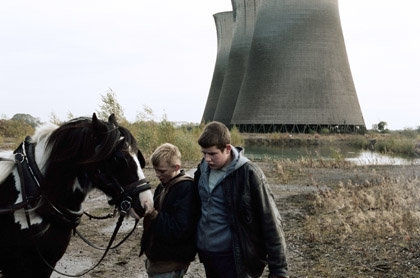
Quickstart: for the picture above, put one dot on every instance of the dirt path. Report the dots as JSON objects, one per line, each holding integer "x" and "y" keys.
{"x": 291, "y": 199}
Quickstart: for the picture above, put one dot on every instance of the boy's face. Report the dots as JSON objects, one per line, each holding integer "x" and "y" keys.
{"x": 165, "y": 172}
{"x": 217, "y": 158}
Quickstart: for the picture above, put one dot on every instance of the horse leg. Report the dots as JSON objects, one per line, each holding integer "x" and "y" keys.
{"x": 25, "y": 260}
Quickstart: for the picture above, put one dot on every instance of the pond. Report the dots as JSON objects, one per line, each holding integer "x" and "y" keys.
{"x": 354, "y": 155}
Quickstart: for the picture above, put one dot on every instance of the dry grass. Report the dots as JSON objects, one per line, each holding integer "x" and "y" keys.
{"x": 369, "y": 230}
{"x": 388, "y": 208}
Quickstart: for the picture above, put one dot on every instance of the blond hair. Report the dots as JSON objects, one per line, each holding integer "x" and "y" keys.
{"x": 168, "y": 153}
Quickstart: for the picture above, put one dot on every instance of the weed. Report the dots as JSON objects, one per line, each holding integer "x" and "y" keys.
{"x": 381, "y": 209}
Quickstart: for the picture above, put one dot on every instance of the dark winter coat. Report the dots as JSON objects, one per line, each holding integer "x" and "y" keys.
{"x": 171, "y": 235}
{"x": 257, "y": 234}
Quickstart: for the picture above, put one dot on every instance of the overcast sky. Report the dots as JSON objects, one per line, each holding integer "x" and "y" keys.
{"x": 61, "y": 56}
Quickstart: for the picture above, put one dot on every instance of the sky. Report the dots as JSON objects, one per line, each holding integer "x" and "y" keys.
{"x": 60, "y": 57}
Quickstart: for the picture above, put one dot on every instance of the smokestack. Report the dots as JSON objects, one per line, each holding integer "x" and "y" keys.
{"x": 245, "y": 12}
{"x": 298, "y": 74}
{"x": 224, "y": 27}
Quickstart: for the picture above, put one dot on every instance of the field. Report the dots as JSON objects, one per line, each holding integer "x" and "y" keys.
{"x": 339, "y": 220}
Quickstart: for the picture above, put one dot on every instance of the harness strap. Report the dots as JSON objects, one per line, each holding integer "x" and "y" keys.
{"x": 7, "y": 159}
{"x": 114, "y": 234}
{"x": 23, "y": 189}
{"x": 11, "y": 209}
{"x": 88, "y": 242}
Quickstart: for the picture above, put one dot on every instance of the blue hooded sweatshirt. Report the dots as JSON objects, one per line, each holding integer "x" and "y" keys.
{"x": 213, "y": 231}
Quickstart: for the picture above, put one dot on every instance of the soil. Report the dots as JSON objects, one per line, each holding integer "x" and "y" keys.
{"x": 292, "y": 200}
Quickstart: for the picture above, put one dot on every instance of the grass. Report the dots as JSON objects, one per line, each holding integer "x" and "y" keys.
{"x": 365, "y": 230}
{"x": 362, "y": 221}
{"x": 367, "y": 211}
{"x": 395, "y": 143}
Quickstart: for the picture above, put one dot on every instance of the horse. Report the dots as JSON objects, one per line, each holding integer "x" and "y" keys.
{"x": 45, "y": 180}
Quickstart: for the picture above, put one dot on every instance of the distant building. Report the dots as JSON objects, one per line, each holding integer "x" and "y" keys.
{"x": 224, "y": 27}
{"x": 244, "y": 12}
{"x": 297, "y": 76}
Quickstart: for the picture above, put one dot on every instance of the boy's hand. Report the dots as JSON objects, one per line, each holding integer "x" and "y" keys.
{"x": 146, "y": 201}
{"x": 152, "y": 214}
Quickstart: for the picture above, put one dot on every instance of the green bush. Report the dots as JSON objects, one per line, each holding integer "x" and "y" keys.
{"x": 324, "y": 130}
{"x": 409, "y": 133}
{"x": 151, "y": 134}
{"x": 236, "y": 138}
{"x": 186, "y": 141}
{"x": 396, "y": 145}
{"x": 15, "y": 129}
{"x": 359, "y": 141}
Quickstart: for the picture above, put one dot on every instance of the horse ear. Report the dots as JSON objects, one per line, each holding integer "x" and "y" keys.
{"x": 97, "y": 125}
{"x": 112, "y": 119}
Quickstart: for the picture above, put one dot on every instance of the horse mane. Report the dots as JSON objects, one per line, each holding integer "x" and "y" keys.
{"x": 74, "y": 141}
{"x": 80, "y": 141}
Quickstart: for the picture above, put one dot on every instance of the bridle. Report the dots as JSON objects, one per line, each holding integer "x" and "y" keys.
{"x": 32, "y": 179}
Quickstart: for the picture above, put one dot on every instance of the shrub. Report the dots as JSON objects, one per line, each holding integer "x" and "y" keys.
{"x": 236, "y": 137}
{"x": 384, "y": 208}
{"x": 324, "y": 130}
{"x": 409, "y": 133}
{"x": 395, "y": 145}
{"x": 151, "y": 134}
{"x": 15, "y": 129}
{"x": 359, "y": 141}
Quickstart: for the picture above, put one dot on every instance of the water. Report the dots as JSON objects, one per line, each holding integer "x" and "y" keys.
{"x": 354, "y": 155}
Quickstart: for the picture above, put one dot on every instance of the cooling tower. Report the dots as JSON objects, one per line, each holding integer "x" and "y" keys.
{"x": 224, "y": 27}
{"x": 245, "y": 12}
{"x": 298, "y": 73}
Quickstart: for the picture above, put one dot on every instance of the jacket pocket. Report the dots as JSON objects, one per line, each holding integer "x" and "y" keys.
{"x": 252, "y": 251}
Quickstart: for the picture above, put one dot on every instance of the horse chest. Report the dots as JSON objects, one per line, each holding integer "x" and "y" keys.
{"x": 10, "y": 194}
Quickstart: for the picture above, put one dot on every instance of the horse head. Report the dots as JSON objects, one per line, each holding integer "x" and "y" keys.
{"x": 119, "y": 171}
{"x": 102, "y": 155}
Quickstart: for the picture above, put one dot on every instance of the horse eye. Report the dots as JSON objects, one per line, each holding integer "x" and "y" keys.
{"x": 119, "y": 160}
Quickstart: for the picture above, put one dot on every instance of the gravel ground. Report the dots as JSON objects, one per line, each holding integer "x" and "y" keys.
{"x": 291, "y": 198}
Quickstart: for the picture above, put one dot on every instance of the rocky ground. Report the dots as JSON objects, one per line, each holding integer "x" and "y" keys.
{"x": 389, "y": 257}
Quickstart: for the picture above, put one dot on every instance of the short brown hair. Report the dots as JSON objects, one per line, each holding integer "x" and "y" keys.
{"x": 214, "y": 134}
{"x": 168, "y": 153}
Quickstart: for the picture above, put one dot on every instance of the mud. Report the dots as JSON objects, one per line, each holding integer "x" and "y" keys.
{"x": 291, "y": 199}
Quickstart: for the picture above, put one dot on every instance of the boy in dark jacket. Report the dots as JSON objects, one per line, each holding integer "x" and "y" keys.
{"x": 239, "y": 231}
{"x": 169, "y": 231}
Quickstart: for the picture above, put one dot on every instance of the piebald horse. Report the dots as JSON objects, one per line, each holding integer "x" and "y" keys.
{"x": 44, "y": 182}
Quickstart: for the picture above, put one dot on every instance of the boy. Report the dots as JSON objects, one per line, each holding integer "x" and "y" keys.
{"x": 239, "y": 230}
{"x": 169, "y": 231}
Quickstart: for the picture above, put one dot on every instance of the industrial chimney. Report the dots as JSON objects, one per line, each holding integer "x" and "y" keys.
{"x": 298, "y": 76}
{"x": 224, "y": 27}
{"x": 245, "y": 12}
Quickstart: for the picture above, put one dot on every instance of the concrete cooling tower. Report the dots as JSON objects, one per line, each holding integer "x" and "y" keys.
{"x": 224, "y": 27}
{"x": 245, "y": 12}
{"x": 297, "y": 76}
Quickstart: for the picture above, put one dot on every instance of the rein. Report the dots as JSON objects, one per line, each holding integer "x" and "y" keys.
{"x": 111, "y": 241}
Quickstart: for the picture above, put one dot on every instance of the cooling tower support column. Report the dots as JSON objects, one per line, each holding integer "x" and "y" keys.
{"x": 298, "y": 75}
{"x": 224, "y": 27}
{"x": 244, "y": 15}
